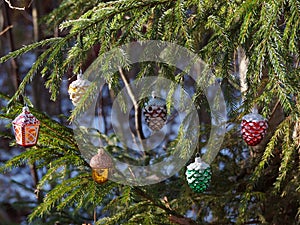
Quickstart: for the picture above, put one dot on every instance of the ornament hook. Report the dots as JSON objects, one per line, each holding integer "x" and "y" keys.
{"x": 153, "y": 94}
{"x": 80, "y": 75}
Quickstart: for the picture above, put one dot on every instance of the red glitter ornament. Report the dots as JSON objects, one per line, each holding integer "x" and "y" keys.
{"x": 254, "y": 128}
{"x": 26, "y": 128}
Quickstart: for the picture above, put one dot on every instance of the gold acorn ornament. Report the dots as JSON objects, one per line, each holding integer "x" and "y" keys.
{"x": 102, "y": 166}
{"x": 26, "y": 128}
{"x": 155, "y": 113}
{"x": 78, "y": 88}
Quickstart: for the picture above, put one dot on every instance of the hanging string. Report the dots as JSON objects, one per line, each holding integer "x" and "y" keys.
{"x": 23, "y": 97}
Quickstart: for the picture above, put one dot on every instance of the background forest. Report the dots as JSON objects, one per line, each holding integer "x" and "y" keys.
{"x": 252, "y": 47}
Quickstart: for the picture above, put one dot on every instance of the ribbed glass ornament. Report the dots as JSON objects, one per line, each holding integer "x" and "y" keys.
{"x": 101, "y": 165}
{"x": 155, "y": 113}
{"x": 78, "y": 88}
{"x": 254, "y": 127}
{"x": 198, "y": 175}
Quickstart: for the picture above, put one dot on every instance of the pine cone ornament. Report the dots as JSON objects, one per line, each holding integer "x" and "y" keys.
{"x": 198, "y": 175}
{"x": 254, "y": 128}
{"x": 78, "y": 88}
{"x": 155, "y": 113}
{"x": 102, "y": 166}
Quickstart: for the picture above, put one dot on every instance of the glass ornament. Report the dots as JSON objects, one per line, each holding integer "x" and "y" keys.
{"x": 254, "y": 127}
{"x": 198, "y": 175}
{"x": 102, "y": 166}
{"x": 78, "y": 88}
{"x": 26, "y": 128}
{"x": 155, "y": 113}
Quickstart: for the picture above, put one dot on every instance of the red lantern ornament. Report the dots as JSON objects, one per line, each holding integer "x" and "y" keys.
{"x": 26, "y": 128}
{"x": 254, "y": 128}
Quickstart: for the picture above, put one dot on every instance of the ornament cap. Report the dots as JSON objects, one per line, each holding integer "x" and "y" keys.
{"x": 199, "y": 164}
{"x": 80, "y": 82}
{"x": 156, "y": 101}
{"x": 255, "y": 117}
{"x": 101, "y": 160}
{"x": 25, "y": 109}
{"x": 25, "y": 118}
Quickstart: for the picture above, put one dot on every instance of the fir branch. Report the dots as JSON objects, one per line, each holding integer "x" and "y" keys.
{"x": 181, "y": 219}
{"x": 58, "y": 193}
{"x": 281, "y": 129}
{"x": 288, "y": 151}
{"x": 125, "y": 213}
{"x": 28, "y": 48}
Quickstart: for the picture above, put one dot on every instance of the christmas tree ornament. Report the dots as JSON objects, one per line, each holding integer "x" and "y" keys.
{"x": 254, "y": 127}
{"x": 78, "y": 88}
{"x": 26, "y": 128}
{"x": 155, "y": 113}
{"x": 102, "y": 166}
{"x": 198, "y": 175}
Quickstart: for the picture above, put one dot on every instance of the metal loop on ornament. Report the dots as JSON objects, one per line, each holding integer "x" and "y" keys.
{"x": 153, "y": 94}
{"x": 254, "y": 109}
{"x": 80, "y": 75}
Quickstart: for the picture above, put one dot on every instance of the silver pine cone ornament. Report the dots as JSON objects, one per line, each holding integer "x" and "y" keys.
{"x": 198, "y": 175}
{"x": 78, "y": 88}
{"x": 155, "y": 113}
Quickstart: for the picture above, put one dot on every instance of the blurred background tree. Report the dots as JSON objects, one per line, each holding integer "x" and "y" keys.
{"x": 251, "y": 46}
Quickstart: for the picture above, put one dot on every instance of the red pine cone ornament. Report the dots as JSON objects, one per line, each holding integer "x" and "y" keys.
{"x": 155, "y": 113}
{"x": 254, "y": 128}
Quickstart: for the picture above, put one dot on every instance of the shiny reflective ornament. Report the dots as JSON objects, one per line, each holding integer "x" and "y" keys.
{"x": 254, "y": 128}
{"x": 155, "y": 113}
{"x": 26, "y": 128}
{"x": 78, "y": 88}
{"x": 198, "y": 175}
{"x": 102, "y": 166}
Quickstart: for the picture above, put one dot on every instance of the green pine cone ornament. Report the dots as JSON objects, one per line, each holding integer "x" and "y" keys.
{"x": 198, "y": 175}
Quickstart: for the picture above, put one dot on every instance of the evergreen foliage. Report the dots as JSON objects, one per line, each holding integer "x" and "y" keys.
{"x": 250, "y": 185}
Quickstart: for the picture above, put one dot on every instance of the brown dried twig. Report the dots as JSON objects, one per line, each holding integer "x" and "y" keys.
{"x": 6, "y": 29}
